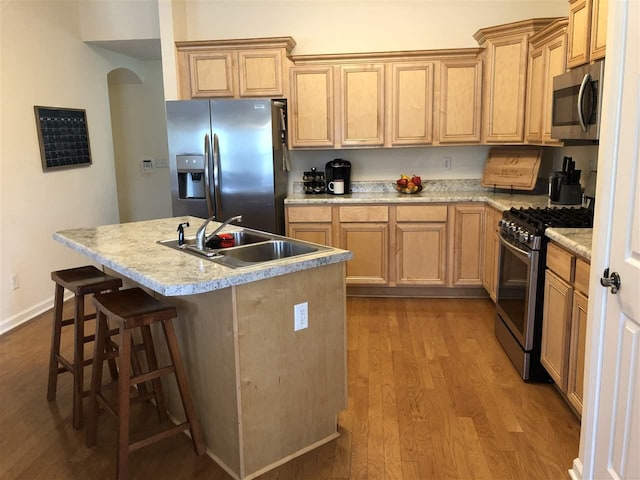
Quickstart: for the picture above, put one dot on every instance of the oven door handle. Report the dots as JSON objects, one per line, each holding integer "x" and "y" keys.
{"x": 515, "y": 249}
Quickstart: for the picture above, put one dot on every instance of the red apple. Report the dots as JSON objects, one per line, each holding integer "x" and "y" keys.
{"x": 416, "y": 180}
{"x": 402, "y": 182}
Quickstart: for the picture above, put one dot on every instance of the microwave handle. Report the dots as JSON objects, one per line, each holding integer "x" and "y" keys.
{"x": 583, "y": 87}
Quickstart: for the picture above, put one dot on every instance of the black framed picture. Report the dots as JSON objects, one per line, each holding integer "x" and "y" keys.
{"x": 63, "y": 137}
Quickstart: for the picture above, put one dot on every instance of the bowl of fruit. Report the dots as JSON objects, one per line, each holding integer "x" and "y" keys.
{"x": 406, "y": 184}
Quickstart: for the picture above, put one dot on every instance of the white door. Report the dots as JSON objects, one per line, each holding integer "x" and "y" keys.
{"x": 610, "y": 440}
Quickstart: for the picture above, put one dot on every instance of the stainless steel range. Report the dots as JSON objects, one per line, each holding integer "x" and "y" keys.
{"x": 520, "y": 291}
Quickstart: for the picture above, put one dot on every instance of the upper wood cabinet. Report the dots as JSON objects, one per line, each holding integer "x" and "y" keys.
{"x": 412, "y": 103}
{"x": 362, "y": 104}
{"x": 587, "y": 31}
{"x": 460, "y": 97}
{"x": 547, "y": 58}
{"x": 311, "y": 107}
{"x": 234, "y": 68}
{"x": 504, "y": 92}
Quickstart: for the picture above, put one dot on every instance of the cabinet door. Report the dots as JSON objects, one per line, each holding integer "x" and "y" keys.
{"x": 575, "y": 384}
{"x": 599, "y": 28}
{"x": 311, "y": 106}
{"x": 369, "y": 243}
{"x": 421, "y": 253}
{"x": 504, "y": 94}
{"x": 311, "y": 232}
{"x": 579, "y": 32}
{"x": 555, "y": 63}
{"x": 556, "y": 319}
{"x": 460, "y": 101}
{"x": 491, "y": 245}
{"x": 411, "y": 103}
{"x": 535, "y": 95}
{"x": 260, "y": 73}
{"x": 467, "y": 244}
{"x": 212, "y": 74}
{"x": 362, "y": 105}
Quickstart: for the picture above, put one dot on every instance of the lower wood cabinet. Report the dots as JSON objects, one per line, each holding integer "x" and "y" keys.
{"x": 564, "y": 323}
{"x": 468, "y": 223}
{"x": 421, "y": 245}
{"x": 424, "y": 245}
{"x": 491, "y": 251}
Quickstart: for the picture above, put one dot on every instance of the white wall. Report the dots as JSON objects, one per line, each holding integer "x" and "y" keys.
{"x": 118, "y": 20}
{"x": 43, "y": 62}
{"x": 139, "y": 133}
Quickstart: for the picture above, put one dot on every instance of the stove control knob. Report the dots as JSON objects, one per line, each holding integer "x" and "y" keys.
{"x": 512, "y": 227}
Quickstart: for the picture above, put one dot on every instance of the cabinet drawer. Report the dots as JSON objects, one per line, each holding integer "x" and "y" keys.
{"x": 364, "y": 214}
{"x": 581, "y": 281}
{"x": 422, "y": 213}
{"x": 561, "y": 262}
{"x": 309, "y": 214}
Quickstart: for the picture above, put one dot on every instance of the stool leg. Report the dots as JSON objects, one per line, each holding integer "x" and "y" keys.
{"x": 137, "y": 368}
{"x": 183, "y": 386}
{"x": 55, "y": 343}
{"x": 124, "y": 384}
{"x": 153, "y": 365}
{"x": 108, "y": 348}
{"x": 96, "y": 378}
{"x": 78, "y": 362}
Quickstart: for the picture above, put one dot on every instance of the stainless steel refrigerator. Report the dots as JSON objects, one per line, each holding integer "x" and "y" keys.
{"x": 227, "y": 158}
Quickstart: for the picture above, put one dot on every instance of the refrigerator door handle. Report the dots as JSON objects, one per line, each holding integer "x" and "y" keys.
{"x": 207, "y": 187}
{"x": 216, "y": 177}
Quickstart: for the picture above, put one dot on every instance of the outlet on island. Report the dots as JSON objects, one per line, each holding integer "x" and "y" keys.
{"x": 300, "y": 316}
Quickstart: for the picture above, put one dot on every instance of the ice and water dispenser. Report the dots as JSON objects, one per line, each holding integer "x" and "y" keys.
{"x": 191, "y": 182}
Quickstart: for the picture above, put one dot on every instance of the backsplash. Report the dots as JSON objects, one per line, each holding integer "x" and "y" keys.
{"x": 386, "y": 186}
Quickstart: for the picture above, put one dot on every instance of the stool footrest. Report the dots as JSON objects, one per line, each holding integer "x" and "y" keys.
{"x": 158, "y": 436}
{"x": 66, "y": 364}
{"x": 145, "y": 377}
{"x": 70, "y": 321}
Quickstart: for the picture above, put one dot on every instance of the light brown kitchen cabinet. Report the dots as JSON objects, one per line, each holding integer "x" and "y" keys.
{"x": 311, "y": 106}
{"x": 504, "y": 93}
{"x": 234, "y": 68}
{"x": 362, "y": 105}
{"x": 421, "y": 245}
{"x": 467, "y": 255}
{"x": 364, "y": 230}
{"x": 491, "y": 251}
{"x": 460, "y": 97}
{"x": 558, "y": 297}
{"x": 547, "y": 58}
{"x": 564, "y": 322}
{"x": 412, "y": 103}
{"x": 587, "y": 31}
{"x": 311, "y": 224}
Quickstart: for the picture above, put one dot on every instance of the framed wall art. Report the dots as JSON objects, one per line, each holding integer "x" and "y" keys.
{"x": 63, "y": 137}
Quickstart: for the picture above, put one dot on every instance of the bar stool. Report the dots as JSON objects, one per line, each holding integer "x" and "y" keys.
{"x": 130, "y": 309}
{"x": 81, "y": 281}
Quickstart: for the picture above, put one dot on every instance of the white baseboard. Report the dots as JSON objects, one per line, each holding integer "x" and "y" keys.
{"x": 576, "y": 471}
{"x": 18, "y": 319}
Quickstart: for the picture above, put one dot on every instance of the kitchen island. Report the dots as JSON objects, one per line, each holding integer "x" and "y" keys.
{"x": 263, "y": 392}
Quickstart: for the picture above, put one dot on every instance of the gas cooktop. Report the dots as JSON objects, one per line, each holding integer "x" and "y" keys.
{"x": 527, "y": 225}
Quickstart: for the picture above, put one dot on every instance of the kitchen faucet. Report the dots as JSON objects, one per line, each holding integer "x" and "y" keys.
{"x": 201, "y": 236}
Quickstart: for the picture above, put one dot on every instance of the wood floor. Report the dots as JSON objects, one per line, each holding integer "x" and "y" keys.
{"x": 431, "y": 396}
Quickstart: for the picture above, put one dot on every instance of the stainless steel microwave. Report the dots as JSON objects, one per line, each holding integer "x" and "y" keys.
{"x": 577, "y": 102}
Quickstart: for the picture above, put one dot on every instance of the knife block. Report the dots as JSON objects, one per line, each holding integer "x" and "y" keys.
{"x": 570, "y": 194}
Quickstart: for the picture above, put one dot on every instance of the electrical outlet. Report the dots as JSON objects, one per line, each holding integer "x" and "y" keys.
{"x": 15, "y": 281}
{"x": 162, "y": 163}
{"x": 446, "y": 163}
{"x": 300, "y": 316}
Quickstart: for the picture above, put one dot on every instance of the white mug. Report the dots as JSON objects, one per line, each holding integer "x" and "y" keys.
{"x": 337, "y": 187}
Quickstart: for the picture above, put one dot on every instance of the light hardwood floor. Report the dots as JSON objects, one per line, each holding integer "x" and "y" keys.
{"x": 431, "y": 396}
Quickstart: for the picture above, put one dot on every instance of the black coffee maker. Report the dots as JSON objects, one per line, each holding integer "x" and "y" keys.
{"x": 338, "y": 169}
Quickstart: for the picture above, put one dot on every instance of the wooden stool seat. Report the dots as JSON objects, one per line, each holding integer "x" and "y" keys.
{"x": 130, "y": 309}
{"x": 80, "y": 281}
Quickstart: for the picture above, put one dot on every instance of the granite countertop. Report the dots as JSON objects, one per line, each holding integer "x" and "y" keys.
{"x": 576, "y": 240}
{"x": 131, "y": 249}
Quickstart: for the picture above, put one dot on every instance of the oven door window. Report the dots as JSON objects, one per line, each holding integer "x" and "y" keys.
{"x": 513, "y": 290}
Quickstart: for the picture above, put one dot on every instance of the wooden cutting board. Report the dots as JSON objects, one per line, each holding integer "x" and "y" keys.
{"x": 512, "y": 168}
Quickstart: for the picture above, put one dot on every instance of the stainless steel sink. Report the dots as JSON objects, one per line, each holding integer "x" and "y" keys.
{"x": 240, "y": 238}
{"x": 263, "y": 252}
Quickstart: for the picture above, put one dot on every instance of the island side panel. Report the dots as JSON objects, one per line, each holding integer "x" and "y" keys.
{"x": 293, "y": 384}
{"x": 204, "y": 328}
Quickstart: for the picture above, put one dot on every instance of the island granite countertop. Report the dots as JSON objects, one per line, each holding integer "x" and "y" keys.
{"x": 131, "y": 249}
